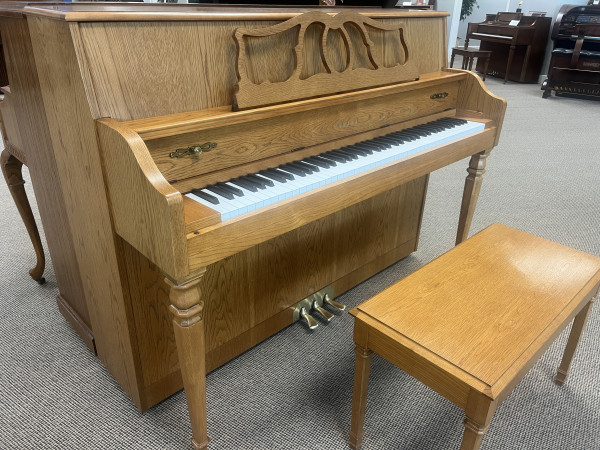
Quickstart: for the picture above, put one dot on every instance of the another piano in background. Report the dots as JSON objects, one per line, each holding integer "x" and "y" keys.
{"x": 517, "y": 42}
{"x": 284, "y": 159}
{"x": 575, "y": 65}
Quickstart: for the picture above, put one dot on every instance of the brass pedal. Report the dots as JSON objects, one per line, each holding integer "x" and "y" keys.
{"x": 325, "y": 315}
{"x": 325, "y": 298}
{"x": 316, "y": 302}
{"x": 302, "y": 312}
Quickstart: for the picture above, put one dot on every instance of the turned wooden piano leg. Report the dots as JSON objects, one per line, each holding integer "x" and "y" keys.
{"x": 470, "y": 195}
{"x": 188, "y": 323}
{"x": 12, "y": 170}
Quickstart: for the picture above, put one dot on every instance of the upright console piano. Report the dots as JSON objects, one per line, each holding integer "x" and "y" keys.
{"x": 575, "y": 65}
{"x": 517, "y": 43}
{"x": 220, "y": 172}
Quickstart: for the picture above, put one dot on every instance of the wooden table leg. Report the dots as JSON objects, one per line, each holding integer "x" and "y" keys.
{"x": 362, "y": 369}
{"x": 574, "y": 336}
{"x": 470, "y": 195}
{"x": 479, "y": 412}
{"x": 187, "y": 309}
{"x": 12, "y": 170}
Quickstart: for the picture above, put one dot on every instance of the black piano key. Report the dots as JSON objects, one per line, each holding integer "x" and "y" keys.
{"x": 218, "y": 190}
{"x": 395, "y": 138}
{"x": 206, "y": 196}
{"x": 277, "y": 176}
{"x": 355, "y": 151}
{"x": 385, "y": 141}
{"x": 411, "y": 134}
{"x": 335, "y": 158}
{"x": 342, "y": 154}
{"x": 407, "y": 137}
{"x": 307, "y": 166}
{"x": 232, "y": 189}
{"x": 241, "y": 182}
{"x": 423, "y": 131}
{"x": 366, "y": 146}
{"x": 420, "y": 133}
{"x": 323, "y": 160}
{"x": 320, "y": 162}
{"x": 263, "y": 182}
{"x": 293, "y": 169}
{"x": 297, "y": 165}
{"x": 285, "y": 174}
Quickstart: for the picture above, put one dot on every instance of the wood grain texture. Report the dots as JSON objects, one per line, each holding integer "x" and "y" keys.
{"x": 187, "y": 309}
{"x": 502, "y": 276}
{"x": 473, "y": 182}
{"x": 205, "y": 73}
{"x": 26, "y": 124}
{"x": 78, "y": 12}
{"x": 271, "y": 278}
{"x": 241, "y": 144}
{"x": 574, "y": 336}
{"x": 73, "y": 139}
{"x": 141, "y": 198}
{"x": 318, "y": 63}
{"x": 157, "y": 127}
{"x": 475, "y": 96}
{"x": 471, "y": 323}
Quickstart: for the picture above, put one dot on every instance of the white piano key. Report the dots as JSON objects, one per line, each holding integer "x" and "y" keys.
{"x": 251, "y": 201}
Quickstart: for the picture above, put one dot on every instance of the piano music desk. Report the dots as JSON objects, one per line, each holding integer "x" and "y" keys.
{"x": 471, "y": 323}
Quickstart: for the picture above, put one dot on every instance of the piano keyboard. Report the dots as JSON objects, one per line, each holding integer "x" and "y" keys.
{"x": 498, "y": 36}
{"x": 253, "y": 191}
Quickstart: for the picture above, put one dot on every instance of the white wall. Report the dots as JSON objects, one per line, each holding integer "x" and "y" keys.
{"x": 453, "y": 7}
{"x": 493, "y": 6}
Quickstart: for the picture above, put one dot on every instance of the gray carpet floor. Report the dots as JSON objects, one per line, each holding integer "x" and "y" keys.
{"x": 294, "y": 390}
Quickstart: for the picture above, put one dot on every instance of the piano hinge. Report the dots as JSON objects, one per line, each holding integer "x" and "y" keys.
{"x": 194, "y": 150}
{"x": 298, "y": 149}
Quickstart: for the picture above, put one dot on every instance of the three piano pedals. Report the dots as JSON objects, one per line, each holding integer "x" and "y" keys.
{"x": 316, "y": 303}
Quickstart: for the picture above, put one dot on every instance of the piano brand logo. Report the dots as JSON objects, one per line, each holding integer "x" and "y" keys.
{"x": 346, "y": 123}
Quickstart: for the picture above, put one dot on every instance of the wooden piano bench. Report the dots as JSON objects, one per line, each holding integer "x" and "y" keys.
{"x": 471, "y": 323}
{"x": 469, "y": 56}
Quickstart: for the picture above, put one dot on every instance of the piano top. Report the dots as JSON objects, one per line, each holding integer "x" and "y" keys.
{"x": 102, "y": 11}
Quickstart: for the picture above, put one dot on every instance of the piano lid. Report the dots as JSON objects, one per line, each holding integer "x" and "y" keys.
{"x": 131, "y": 12}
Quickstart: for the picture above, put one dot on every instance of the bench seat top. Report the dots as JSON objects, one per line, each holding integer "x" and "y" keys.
{"x": 487, "y": 307}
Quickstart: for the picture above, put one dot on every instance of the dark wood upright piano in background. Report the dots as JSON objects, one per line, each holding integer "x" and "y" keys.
{"x": 517, "y": 43}
{"x": 134, "y": 109}
{"x": 575, "y": 65}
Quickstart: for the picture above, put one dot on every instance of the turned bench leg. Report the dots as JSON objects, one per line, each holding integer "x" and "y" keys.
{"x": 574, "y": 336}
{"x": 362, "y": 369}
{"x": 479, "y": 412}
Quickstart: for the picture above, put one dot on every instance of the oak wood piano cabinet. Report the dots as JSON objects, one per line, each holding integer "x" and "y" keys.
{"x": 237, "y": 96}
